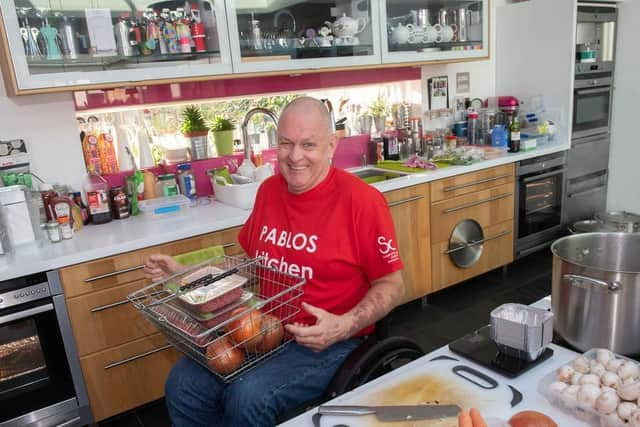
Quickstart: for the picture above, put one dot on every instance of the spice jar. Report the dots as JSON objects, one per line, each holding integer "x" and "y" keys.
{"x": 53, "y": 231}
{"x": 119, "y": 202}
{"x": 65, "y": 229}
{"x": 450, "y": 142}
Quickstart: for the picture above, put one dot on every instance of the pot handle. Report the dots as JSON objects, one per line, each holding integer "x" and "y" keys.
{"x": 578, "y": 280}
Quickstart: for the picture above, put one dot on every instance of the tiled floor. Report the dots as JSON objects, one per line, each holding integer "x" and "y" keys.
{"x": 449, "y": 314}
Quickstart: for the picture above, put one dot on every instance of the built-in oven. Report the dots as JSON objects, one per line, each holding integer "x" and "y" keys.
{"x": 540, "y": 190}
{"x": 40, "y": 379}
{"x": 592, "y": 96}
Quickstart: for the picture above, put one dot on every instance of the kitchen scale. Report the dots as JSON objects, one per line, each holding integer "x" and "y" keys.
{"x": 480, "y": 348}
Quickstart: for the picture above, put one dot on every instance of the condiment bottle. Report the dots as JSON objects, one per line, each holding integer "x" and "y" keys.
{"x": 119, "y": 203}
{"x": 53, "y": 231}
{"x": 149, "y": 185}
{"x": 186, "y": 181}
{"x": 65, "y": 229}
{"x": 97, "y": 192}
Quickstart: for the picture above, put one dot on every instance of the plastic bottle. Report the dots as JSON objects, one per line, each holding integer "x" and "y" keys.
{"x": 186, "y": 181}
{"x": 472, "y": 128}
{"x": 97, "y": 193}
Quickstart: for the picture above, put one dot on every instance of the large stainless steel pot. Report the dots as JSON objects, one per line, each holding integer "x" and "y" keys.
{"x": 596, "y": 291}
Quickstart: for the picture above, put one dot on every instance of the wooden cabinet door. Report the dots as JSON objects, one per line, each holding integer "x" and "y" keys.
{"x": 127, "y": 376}
{"x": 410, "y": 210}
{"x": 472, "y": 182}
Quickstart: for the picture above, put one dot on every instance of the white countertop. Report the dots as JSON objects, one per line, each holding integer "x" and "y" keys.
{"x": 526, "y": 383}
{"x": 118, "y": 236}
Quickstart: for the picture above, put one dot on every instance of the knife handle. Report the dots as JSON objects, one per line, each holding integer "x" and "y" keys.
{"x": 345, "y": 410}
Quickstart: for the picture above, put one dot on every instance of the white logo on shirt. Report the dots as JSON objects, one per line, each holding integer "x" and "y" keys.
{"x": 386, "y": 246}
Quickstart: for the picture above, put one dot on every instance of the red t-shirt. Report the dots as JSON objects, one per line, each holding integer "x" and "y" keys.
{"x": 339, "y": 236}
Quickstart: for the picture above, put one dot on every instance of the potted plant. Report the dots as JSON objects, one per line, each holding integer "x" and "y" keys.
{"x": 222, "y": 130}
{"x": 195, "y": 130}
{"x": 379, "y": 110}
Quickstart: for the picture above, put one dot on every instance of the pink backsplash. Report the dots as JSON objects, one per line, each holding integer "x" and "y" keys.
{"x": 188, "y": 91}
{"x": 348, "y": 154}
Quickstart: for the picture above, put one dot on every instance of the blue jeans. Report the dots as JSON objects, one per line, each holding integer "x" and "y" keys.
{"x": 295, "y": 375}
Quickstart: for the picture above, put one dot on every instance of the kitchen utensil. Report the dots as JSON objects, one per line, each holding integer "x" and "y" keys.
{"x": 443, "y": 379}
{"x": 479, "y": 347}
{"x": 400, "y": 34}
{"x": 394, "y": 412}
{"x": 590, "y": 226}
{"x": 364, "y": 124}
{"x": 462, "y": 24}
{"x": 596, "y": 290}
{"x": 345, "y": 26}
{"x": 622, "y": 221}
{"x": 466, "y": 243}
{"x": 423, "y": 18}
{"x": 521, "y": 331}
{"x": 447, "y": 33}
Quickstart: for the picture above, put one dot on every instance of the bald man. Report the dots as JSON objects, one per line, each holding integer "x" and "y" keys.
{"x": 327, "y": 226}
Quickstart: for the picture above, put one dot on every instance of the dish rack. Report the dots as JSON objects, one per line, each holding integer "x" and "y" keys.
{"x": 208, "y": 306}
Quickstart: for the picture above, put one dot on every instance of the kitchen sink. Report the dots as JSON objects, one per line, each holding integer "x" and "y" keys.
{"x": 377, "y": 175}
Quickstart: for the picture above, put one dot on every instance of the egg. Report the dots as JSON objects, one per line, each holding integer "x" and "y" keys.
{"x": 625, "y": 409}
{"x": 589, "y": 379}
{"x": 607, "y": 402}
{"x": 565, "y": 373}
{"x": 581, "y": 364}
{"x": 588, "y": 394}
{"x": 628, "y": 369}
{"x": 603, "y": 356}
{"x": 610, "y": 379}
{"x": 614, "y": 364}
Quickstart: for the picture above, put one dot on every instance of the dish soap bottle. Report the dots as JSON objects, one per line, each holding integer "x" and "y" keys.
{"x": 97, "y": 192}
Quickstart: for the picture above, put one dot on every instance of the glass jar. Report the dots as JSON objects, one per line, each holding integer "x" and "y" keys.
{"x": 53, "y": 231}
{"x": 65, "y": 229}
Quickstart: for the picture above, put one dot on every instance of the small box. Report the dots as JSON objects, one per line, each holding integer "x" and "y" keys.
{"x": 521, "y": 331}
{"x": 214, "y": 296}
{"x": 528, "y": 144}
{"x": 164, "y": 205}
{"x": 241, "y": 196}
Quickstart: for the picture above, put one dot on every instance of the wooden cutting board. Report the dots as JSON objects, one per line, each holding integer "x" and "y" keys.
{"x": 435, "y": 381}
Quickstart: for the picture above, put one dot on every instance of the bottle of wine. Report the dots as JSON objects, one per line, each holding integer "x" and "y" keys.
{"x": 514, "y": 135}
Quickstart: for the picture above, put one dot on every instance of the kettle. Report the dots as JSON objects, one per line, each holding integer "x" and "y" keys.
{"x": 345, "y": 26}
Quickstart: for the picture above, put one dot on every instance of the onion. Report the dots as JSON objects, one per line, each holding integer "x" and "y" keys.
{"x": 271, "y": 331}
{"x": 223, "y": 357}
{"x": 245, "y": 330}
{"x": 531, "y": 419}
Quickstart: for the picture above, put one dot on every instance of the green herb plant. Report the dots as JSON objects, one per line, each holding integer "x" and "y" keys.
{"x": 192, "y": 121}
{"x": 220, "y": 123}
{"x": 379, "y": 108}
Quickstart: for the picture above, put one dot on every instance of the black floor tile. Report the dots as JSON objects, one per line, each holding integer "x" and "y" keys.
{"x": 128, "y": 419}
{"x": 154, "y": 414}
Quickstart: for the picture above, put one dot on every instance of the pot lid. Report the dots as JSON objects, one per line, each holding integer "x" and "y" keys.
{"x": 611, "y": 252}
{"x": 624, "y": 221}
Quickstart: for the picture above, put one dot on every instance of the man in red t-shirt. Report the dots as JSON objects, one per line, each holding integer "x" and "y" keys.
{"x": 316, "y": 222}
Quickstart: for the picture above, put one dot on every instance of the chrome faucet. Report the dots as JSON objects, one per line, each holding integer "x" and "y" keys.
{"x": 245, "y": 123}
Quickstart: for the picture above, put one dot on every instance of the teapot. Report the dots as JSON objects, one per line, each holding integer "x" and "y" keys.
{"x": 345, "y": 26}
{"x": 400, "y": 34}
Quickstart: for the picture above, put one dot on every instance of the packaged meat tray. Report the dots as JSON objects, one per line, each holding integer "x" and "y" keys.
{"x": 218, "y": 317}
{"x": 213, "y": 296}
{"x": 599, "y": 387}
{"x": 184, "y": 323}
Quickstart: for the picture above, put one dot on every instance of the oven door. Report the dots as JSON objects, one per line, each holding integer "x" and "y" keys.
{"x": 540, "y": 198}
{"x": 591, "y": 107}
{"x": 34, "y": 372}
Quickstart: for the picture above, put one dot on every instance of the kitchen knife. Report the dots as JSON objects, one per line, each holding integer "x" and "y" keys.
{"x": 394, "y": 412}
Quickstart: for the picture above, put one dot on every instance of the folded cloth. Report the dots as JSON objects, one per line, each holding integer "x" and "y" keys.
{"x": 200, "y": 255}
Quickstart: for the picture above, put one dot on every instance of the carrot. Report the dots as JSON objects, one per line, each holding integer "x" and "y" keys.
{"x": 477, "y": 419}
{"x": 464, "y": 420}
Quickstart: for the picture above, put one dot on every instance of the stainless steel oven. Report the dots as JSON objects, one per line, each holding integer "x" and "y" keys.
{"x": 592, "y": 97}
{"x": 40, "y": 379}
{"x": 540, "y": 188}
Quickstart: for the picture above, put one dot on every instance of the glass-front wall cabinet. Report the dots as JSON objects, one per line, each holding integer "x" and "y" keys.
{"x": 71, "y": 43}
{"x": 276, "y": 35}
{"x": 426, "y": 30}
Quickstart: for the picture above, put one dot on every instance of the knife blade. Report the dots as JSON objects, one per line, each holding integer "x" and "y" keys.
{"x": 394, "y": 412}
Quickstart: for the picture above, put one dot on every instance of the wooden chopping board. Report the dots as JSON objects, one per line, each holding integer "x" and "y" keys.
{"x": 428, "y": 382}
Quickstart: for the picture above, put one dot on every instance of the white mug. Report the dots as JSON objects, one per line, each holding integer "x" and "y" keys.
{"x": 447, "y": 33}
{"x": 432, "y": 35}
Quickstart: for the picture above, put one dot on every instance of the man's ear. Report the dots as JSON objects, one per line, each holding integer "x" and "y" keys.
{"x": 333, "y": 144}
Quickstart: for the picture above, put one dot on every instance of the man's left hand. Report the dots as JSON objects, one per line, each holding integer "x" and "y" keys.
{"x": 329, "y": 329}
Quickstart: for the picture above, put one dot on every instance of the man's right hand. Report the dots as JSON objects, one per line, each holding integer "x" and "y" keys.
{"x": 160, "y": 267}
{"x": 471, "y": 419}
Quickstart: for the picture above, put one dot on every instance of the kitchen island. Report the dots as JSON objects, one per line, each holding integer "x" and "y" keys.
{"x": 131, "y": 234}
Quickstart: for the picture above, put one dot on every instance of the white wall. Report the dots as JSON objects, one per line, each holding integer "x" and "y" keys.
{"x": 48, "y": 126}
{"x": 624, "y": 160}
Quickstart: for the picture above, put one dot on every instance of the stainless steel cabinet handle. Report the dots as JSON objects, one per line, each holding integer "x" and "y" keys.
{"x": 119, "y": 303}
{"x": 403, "y": 201}
{"x": 589, "y": 191}
{"x": 599, "y": 5}
{"x": 127, "y": 270}
{"x": 137, "y": 356}
{"x": 71, "y": 422}
{"x": 544, "y": 175}
{"x": 25, "y": 313}
{"x": 471, "y": 184}
{"x": 578, "y": 280}
{"x": 479, "y": 202}
{"x": 477, "y": 242}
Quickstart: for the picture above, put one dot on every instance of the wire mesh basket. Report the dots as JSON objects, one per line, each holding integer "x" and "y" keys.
{"x": 226, "y": 313}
